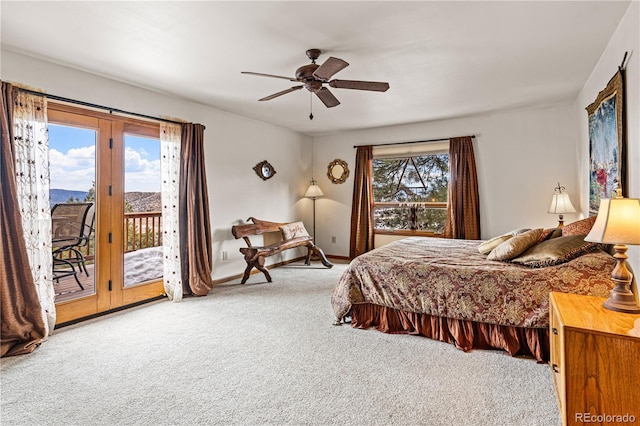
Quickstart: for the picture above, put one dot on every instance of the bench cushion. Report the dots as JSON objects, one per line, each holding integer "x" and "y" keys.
{"x": 293, "y": 230}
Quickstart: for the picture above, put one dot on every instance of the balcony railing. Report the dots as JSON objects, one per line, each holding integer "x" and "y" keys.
{"x": 426, "y": 218}
{"x": 141, "y": 230}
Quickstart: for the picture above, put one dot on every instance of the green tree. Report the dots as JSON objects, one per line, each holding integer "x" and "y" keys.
{"x": 91, "y": 198}
{"x": 91, "y": 195}
{"x": 416, "y": 179}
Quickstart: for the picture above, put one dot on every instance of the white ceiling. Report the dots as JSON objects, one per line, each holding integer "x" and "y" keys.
{"x": 442, "y": 59}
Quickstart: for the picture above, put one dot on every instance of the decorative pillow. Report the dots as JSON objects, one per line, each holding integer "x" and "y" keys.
{"x": 550, "y": 233}
{"x": 487, "y": 246}
{"x": 580, "y": 227}
{"x": 556, "y": 251}
{"x": 518, "y": 231}
{"x": 516, "y": 245}
{"x": 293, "y": 230}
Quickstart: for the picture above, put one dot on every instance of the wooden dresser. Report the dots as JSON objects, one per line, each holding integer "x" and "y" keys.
{"x": 594, "y": 362}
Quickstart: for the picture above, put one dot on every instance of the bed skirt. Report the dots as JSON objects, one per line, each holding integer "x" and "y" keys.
{"x": 464, "y": 334}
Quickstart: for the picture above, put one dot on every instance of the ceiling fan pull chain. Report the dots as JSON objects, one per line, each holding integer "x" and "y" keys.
{"x": 310, "y": 106}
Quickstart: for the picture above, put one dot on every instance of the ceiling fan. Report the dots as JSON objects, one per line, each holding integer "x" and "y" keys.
{"x": 314, "y": 77}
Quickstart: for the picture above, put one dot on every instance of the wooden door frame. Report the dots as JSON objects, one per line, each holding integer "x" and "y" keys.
{"x": 110, "y": 293}
{"x": 136, "y": 293}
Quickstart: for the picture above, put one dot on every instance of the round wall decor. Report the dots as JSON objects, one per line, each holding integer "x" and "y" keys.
{"x": 338, "y": 171}
{"x": 265, "y": 170}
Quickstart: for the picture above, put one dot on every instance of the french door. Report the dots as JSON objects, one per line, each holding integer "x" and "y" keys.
{"x": 113, "y": 164}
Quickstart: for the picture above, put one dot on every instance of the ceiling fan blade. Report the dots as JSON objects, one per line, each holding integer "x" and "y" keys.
{"x": 327, "y": 98}
{"x": 329, "y": 68}
{"x": 268, "y": 75}
{"x": 284, "y": 92}
{"x": 375, "y": 86}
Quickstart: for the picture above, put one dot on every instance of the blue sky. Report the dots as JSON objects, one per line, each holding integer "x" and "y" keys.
{"x": 72, "y": 160}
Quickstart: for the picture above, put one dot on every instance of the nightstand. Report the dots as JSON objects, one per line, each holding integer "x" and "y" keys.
{"x": 594, "y": 362}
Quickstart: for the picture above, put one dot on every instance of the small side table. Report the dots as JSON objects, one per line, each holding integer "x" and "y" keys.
{"x": 594, "y": 361}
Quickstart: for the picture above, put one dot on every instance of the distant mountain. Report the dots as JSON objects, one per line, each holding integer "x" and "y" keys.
{"x": 144, "y": 201}
{"x": 139, "y": 201}
{"x": 58, "y": 196}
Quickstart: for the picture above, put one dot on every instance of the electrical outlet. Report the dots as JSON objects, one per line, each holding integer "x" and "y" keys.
{"x": 333, "y": 240}
{"x": 225, "y": 256}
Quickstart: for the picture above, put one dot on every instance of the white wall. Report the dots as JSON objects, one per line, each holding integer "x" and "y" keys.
{"x": 233, "y": 145}
{"x": 520, "y": 154}
{"x": 520, "y": 157}
{"x": 625, "y": 39}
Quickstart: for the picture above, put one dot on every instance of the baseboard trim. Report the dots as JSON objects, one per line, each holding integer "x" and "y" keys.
{"x": 255, "y": 271}
{"x": 333, "y": 256}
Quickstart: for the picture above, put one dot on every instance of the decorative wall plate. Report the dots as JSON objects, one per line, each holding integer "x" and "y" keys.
{"x": 338, "y": 171}
{"x": 265, "y": 170}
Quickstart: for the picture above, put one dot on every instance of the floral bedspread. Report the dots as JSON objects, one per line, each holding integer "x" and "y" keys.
{"x": 450, "y": 278}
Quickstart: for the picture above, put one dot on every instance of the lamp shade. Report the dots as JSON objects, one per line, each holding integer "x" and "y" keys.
{"x": 560, "y": 204}
{"x": 314, "y": 191}
{"x": 618, "y": 222}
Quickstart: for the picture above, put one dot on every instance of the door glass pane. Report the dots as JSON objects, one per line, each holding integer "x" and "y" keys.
{"x": 142, "y": 210}
{"x": 72, "y": 163}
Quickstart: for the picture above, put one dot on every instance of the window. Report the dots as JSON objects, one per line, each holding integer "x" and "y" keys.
{"x": 410, "y": 193}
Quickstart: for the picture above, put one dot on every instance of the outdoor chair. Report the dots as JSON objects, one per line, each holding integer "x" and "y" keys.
{"x": 71, "y": 227}
{"x": 86, "y": 237}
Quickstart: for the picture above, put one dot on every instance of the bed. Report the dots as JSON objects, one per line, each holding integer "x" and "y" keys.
{"x": 448, "y": 290}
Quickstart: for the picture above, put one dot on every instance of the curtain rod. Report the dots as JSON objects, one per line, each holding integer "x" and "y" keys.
{"x": 90, "y": 105}
{"x": 410, "y": 142}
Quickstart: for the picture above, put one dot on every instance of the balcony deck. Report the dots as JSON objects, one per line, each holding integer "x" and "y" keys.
{"x": 139, "y": 269}
{"x": 67, "y": 288}
{"x": 141, "y": 230}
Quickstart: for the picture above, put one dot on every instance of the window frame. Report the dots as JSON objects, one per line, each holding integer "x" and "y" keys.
{"x": 415, "y": 150}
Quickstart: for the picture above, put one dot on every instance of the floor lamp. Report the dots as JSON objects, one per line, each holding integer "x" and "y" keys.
{"x": 314, "y": 192}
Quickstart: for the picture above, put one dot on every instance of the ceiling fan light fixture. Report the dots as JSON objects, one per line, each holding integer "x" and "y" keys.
{"x": 305, "y": 72}
{"x": 313, "y": 85}
{"x": 314, "y": 77}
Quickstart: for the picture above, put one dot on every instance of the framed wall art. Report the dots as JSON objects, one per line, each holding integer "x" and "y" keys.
{"x": 607, "y": 143}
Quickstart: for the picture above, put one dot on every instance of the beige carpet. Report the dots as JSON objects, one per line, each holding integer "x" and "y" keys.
{"x": 264, "y": 354}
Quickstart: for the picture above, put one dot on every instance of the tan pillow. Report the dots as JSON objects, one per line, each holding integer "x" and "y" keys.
{"x": 487, "y": 246}
{"x": 518, "y": 231}
{"x": 555, "y": 251}
{"x": 293, "y": 230}
{"x": 515, "y": 246}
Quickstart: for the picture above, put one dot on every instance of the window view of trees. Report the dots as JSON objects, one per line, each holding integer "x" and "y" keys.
{"x": 410, "y": 193}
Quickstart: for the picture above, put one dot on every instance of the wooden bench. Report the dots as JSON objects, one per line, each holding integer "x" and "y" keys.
{"x": 255, "y": 256}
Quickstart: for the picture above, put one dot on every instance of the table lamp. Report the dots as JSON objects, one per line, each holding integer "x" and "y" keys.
{"x": 618, "y": 222}
{"x": 560, "y": 204}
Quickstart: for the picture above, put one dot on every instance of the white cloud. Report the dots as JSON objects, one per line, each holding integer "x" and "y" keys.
{"x": 141, "y": 174}
{"x": 76, "y": 170}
